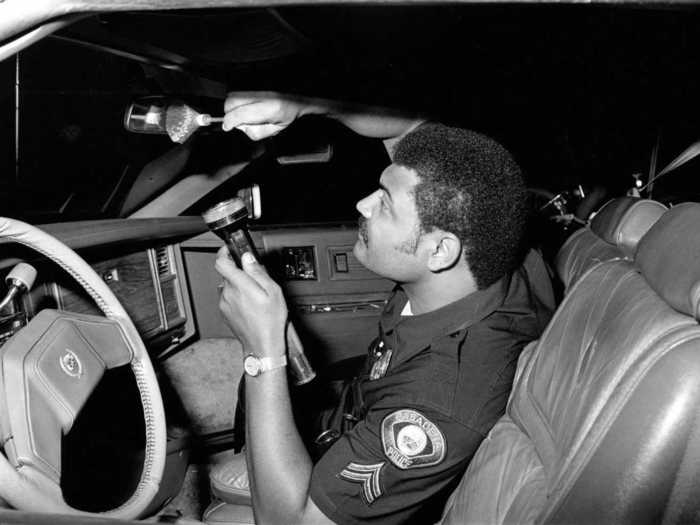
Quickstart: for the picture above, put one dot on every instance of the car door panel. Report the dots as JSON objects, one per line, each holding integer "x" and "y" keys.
{"x": 334, "y": 301}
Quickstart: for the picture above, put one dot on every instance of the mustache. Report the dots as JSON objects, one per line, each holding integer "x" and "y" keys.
{"x": 362, "y": 229}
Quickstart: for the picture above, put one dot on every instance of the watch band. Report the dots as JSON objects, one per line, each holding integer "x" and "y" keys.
{"x": 270, "y": 363}
{"x": 254, "y": 365}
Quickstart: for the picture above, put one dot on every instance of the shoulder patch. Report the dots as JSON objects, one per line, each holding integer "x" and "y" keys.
{"x": 367, "y": 476}
{"x": 411, "y": 440}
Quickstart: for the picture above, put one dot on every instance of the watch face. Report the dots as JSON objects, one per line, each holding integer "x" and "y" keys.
{"x": 252, "y": 365}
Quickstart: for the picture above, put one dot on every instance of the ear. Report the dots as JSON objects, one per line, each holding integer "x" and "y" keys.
{"x": 446, "y": 253}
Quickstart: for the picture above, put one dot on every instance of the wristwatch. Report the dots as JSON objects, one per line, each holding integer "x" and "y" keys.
{"x": 254, "y": 365}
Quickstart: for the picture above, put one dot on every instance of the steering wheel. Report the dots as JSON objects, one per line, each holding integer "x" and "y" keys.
{"x": 47, "y": 372}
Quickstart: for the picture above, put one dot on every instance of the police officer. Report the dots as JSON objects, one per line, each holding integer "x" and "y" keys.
{"x": 446, "y": 224}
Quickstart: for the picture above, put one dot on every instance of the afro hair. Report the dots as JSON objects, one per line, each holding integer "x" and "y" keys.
{"x": 469, "y": 185}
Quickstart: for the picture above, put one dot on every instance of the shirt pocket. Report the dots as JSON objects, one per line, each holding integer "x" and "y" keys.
{"x": 441, "y": 382}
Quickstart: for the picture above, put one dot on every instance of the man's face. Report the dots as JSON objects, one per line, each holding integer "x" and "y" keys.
{"x": 389, "y": 234}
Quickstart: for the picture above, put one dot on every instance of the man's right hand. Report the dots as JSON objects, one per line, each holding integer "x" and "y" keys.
{"x": 264, "y": 114}
{"x": 260, "y": 115}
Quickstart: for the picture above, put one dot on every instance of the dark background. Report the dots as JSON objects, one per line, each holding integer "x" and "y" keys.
{"x": 580, "y": 95}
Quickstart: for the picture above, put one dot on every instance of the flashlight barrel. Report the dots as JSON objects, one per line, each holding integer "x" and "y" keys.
{"x": 238, "y": 242}
{"x": 298, "y": 362}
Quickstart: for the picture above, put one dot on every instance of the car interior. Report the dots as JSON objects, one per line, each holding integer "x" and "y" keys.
{"x": 119, "y": 377}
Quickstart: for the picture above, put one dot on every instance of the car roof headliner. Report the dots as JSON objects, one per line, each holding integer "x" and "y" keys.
{"x": 20, "y": 16}
{"x": 460, "y": 61}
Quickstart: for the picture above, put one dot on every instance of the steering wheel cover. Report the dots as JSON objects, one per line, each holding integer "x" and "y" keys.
{"x": 12, "y": 230}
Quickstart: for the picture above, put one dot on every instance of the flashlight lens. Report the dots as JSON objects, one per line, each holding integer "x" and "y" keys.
{"x": 225, "y": 213}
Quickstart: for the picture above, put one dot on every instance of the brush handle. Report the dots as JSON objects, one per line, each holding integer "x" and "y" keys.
{"x": 206, "y": 120}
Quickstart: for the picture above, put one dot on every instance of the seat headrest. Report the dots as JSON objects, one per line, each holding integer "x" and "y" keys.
{"x": 624, "y": 221}
{"x": 669, "y": 258}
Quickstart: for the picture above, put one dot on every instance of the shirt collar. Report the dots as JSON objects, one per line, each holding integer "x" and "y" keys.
{"x": 410, "y": 334}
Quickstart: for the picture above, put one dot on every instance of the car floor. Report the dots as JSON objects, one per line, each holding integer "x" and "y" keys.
{"x": 195, "y": 495}
{"x": 200, "y": 387}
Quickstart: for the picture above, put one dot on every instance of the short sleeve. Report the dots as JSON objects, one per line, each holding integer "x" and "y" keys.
{"x": 396, "y": 466}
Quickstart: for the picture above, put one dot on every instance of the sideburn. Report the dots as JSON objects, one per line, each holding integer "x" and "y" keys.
{"x": 410, "y": 245}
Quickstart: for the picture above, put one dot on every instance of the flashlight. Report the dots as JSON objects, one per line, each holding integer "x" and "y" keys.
{"x": 228, "y": 220}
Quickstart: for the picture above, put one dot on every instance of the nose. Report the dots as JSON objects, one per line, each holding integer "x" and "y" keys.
{"x": 365, "y": 206}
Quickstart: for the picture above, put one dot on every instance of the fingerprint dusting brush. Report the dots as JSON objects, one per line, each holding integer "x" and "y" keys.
{"x": 181, "y": 121}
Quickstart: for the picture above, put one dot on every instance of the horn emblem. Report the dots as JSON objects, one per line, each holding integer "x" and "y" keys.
{"x": 70, "y": 364}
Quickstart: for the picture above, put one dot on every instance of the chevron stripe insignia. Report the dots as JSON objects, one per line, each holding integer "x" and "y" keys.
{"x": 368, "y": 476}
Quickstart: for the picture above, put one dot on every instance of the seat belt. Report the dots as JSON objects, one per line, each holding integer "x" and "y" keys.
{"x": 687, "y": 155}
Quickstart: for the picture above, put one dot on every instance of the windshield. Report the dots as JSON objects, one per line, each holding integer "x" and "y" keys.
{"x": 76, "y": 161}
{"x": 72, "y": 148}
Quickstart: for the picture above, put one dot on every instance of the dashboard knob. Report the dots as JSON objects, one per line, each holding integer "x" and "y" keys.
{"x": 22, "y": 275}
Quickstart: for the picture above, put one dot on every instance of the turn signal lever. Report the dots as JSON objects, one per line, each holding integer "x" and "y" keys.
{"x": 228, "y": 220}
{"x": 19, "y": 280}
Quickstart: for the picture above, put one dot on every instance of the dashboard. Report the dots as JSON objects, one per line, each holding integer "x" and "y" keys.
{"x": 145, "y": 273}
{"x": 161, "y": 270}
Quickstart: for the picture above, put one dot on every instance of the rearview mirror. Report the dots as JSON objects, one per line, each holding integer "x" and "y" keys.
{"x": 147, "y": 115}
{"x": 162, "y": 116}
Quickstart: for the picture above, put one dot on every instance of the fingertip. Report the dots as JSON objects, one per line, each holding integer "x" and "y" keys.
{"x": 248, "y": 258}
{"x": 227, "y": 124}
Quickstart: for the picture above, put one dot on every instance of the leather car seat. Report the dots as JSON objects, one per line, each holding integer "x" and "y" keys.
{"x": 613, "y": 233}
{"x": 228, "y": 480}
{"x": 603, "y": 425}
{"x": 223, "y": 513}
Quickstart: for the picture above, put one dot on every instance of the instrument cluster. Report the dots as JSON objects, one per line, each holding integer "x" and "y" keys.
{"x": 148, "y": 283}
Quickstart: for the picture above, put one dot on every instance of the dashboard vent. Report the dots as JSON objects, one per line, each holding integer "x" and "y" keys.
{"x": 163, "y": 261}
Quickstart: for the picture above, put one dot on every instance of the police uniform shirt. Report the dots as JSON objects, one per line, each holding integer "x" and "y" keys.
{"x": 434, "y": 386}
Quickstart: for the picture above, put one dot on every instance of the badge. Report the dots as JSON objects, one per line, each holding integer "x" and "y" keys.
{"x": 367, "y": 476}
{"x": 381, "y": 364}
{"x": 411, "y": 440}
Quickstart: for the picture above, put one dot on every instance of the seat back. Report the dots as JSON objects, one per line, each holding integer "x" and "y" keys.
{"x": 613, "y": 233}
{"x": 602, "y": 423}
